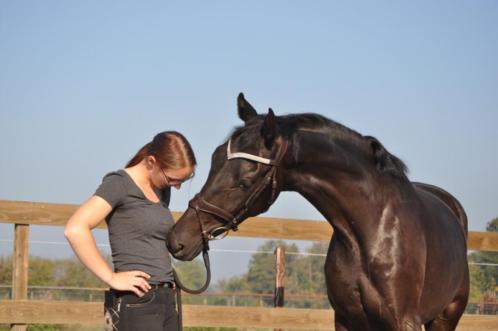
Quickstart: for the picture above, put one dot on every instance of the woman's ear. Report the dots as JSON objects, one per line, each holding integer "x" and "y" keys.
{"x": 150, "y": 161}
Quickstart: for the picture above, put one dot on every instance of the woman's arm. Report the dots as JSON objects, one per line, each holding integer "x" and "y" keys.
{"x": 78, "y": 233}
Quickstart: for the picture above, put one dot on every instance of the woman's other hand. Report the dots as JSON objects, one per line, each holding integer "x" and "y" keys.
{"x": 135, "y": 281}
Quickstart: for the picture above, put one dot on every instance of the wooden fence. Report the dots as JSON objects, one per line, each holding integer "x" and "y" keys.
{"x": 19, "y": 311}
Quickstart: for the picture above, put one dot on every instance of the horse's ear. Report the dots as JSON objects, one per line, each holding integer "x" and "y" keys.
{"x": 244, "y": 108}
{"x": 269, "y": 129}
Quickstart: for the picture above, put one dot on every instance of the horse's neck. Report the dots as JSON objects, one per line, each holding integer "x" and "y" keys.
{"x": 340, "y": 184}
{"x": 349, "y": 206}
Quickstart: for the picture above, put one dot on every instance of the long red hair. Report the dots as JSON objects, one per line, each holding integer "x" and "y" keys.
{"x": 170, "y": 148}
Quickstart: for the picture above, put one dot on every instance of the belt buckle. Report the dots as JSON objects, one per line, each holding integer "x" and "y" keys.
{"x": 170, "y": 284}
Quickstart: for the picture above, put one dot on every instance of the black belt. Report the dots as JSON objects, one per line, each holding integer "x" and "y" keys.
{"x": 166, "y": 284}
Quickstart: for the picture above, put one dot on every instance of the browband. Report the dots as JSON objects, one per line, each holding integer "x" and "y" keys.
{"x": 247, "y": 156}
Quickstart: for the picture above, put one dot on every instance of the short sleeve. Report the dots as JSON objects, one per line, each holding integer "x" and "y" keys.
{"x": 111, "y": 189}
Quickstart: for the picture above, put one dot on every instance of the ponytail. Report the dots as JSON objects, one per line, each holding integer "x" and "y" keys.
{"x": 141, "y": 154}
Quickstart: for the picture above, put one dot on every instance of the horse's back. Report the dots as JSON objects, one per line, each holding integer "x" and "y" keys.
{"x": 449, "y": 200}
{"x": 446, "y": 243}
{"x": 443, "y": 221}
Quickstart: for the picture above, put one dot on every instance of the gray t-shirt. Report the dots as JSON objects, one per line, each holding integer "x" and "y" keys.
{"x": 137, "y": 227}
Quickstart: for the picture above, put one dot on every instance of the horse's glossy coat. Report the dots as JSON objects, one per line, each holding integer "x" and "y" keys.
{"x": 397, "y": 259}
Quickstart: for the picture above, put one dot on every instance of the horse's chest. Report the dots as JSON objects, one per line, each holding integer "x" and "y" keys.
{"x": 342, "y": 277}
{"x": 350, "y": 287}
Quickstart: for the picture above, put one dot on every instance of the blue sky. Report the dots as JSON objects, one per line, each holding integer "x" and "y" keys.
{"x": 84, "y": 84}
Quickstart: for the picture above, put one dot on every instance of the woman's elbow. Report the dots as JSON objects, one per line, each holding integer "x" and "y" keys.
{"x": 67, "y": 232}
{"x": 70, "y": 231}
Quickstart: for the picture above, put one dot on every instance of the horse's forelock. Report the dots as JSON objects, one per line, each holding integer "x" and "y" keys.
{"x": 246, "y": 135}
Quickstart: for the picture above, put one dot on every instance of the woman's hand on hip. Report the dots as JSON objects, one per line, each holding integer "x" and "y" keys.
{"x": 135, "y": 281}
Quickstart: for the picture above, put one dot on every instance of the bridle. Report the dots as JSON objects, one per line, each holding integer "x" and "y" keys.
{"x": 232, "y": 220}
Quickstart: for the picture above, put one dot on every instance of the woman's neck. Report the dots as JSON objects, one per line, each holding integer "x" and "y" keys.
{"x": 140, "y": 175}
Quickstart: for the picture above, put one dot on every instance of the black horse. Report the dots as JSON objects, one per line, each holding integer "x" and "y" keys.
{"x": 398, "y": 257}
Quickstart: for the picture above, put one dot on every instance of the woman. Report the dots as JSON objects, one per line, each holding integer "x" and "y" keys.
{"x": 134, "y": 202}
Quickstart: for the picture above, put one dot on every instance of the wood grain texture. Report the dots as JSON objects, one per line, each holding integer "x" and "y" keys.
{"x": 20, "y": 264}
{"x": 91, "y": 313}
{"x": 39, "y": 213}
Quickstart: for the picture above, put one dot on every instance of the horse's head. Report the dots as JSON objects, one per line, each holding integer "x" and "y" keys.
{"x": 244, "y": 180}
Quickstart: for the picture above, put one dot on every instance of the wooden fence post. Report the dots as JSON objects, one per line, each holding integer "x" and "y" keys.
{"x": 20, "y": 268}
{"x": 278, "y": 296}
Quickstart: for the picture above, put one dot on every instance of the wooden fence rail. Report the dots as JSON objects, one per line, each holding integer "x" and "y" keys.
{"x": 37, "y": 213}
{"x": 91, "y": 313}
{"x": 19, "y": 312}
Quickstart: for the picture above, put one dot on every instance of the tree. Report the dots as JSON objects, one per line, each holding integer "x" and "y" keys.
{"x": 41, "y": 272}
{"x": 316, "y": 267}
{"x": 478, "y": 284}
{"x": 234, "y": 284}
{"x": 303, "y": 273}
{"x": 492, "y": 225}
{"x": 191, "y": 274}
{"x": 484, "y": 278}
{"x": 71, "y": 272}
{"x": 261, "y": 273}
{"x": 5, "y": 270}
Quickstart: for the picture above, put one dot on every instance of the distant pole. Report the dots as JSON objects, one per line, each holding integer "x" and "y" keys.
{"x": 20, "y": 268}
{"x": 278, "y": 296}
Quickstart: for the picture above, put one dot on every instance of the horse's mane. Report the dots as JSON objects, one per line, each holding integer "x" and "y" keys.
{"x": 290, "y": 124}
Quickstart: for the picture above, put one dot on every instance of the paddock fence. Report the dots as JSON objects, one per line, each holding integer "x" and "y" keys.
{"x": 20, "y": 311}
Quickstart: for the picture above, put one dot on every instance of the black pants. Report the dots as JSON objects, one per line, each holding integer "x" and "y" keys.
{"x": 155, "y": 311}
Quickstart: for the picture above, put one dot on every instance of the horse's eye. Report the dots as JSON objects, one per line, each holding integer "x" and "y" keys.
{"x": 244, "y": 184}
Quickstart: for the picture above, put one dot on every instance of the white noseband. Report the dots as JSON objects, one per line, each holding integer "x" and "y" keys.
{"x": 256, "y": 158}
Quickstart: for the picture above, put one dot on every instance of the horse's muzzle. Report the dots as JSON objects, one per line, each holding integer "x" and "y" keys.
{"x": 173, "y": 245}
